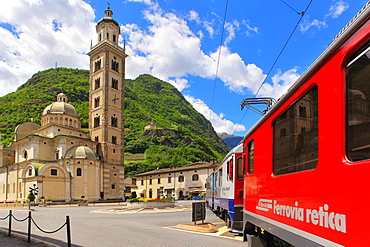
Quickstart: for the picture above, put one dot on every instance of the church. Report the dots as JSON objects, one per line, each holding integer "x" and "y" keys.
{"x": 65, "y": 162}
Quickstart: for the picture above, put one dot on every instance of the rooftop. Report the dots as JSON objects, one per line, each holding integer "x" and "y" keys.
{"x": 193, "y": 166}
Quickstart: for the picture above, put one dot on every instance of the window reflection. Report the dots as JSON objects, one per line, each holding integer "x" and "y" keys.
{"x": 358, "y": 100}
{"x": 295, "y": 136}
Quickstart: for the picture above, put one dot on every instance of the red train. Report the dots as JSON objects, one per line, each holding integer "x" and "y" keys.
{"x": 307, "y": 161}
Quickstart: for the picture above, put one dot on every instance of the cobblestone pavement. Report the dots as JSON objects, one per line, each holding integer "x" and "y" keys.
{"x": 17, "y": 240}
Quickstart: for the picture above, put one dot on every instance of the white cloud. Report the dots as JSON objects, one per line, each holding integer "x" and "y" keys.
{"x": 179, "y": 83}
{"x": 281, "y": 82}
{"x": 230, "y": 29}
{"x": 307, "y": 24}
{"x": 36, "y": 41}
{"x": 250, "y": 29}
{"x": 209, "y": 27}
{"x": 194, "y": 16}
{"x": 167, "y": 49}
{"x": 337, "y": 9}
{"x": 147, "y": 2}
{"x": 220, "y": 124}
{"x": 238, "y": 76}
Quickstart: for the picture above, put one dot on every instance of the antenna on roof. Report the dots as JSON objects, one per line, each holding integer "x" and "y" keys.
{"x": 249, "y": 102}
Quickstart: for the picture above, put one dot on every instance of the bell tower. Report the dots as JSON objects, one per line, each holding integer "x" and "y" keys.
{"x": 106, "y": 103}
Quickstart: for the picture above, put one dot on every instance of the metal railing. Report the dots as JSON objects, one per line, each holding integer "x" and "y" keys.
{"x": 10, "y": 216}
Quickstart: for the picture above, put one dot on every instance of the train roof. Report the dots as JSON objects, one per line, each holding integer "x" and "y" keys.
{"x": 237, "y": 149}
{"x": 359, "y": 19}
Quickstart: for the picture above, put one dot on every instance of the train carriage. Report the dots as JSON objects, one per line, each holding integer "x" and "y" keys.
{"x": 307, "y": 161}
{"x": 224, "y": 189}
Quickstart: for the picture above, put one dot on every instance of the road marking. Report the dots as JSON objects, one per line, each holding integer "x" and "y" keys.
{"x": 221, "y": 231}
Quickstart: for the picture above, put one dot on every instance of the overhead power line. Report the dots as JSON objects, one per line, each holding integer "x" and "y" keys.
{"x": 277, "y": 58}
{"x": 218, "y": 61}
{"x": 301, "y": 13}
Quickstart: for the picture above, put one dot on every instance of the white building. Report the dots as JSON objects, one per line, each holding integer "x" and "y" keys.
{"x": 177, "y": 182}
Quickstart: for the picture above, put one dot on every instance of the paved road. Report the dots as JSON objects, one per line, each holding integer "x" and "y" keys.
{"x": 111, "y": 226}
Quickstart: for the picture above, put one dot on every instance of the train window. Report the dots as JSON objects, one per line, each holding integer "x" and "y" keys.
{"x": 358, "y": 101}
{"x": 230, "y": 170}
{"x": 239, "y": 167}
{"x": 220, "y": 178}
{"x": 297, "y": 150}
{"x": 251, "y": 157}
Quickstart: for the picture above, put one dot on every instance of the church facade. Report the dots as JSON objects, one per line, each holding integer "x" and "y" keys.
{"x": 63, "y": 161}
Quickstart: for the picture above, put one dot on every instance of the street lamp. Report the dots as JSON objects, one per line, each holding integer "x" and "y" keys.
{"x": 32, "y": 195}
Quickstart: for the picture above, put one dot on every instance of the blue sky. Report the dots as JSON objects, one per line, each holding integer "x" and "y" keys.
{"x": 180, "y": 42}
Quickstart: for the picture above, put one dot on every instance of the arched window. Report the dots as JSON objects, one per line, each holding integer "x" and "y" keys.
{"x": 79, "y": 172}
{"x": 25, "y": 155}
{"x": 113, "y": 186}
{"x": 114, "y": 65}
{"x": 302, "y": 111}
{"x": 181, "y": 179}
{"x": 195, "y": 177}
{"x": 97, "y": 83}
{"x": 114, "y": 38}
{"x": 114, "y": 139}
{"x": 114, "y": 83}
{"x": 114, "y": 121}
{"x": 97, "y": 101}
{"x": 96, "y": 121}
{"x": 97, "y": 65}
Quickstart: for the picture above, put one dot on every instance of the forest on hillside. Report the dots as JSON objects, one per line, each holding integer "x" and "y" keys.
{"x": 179, "y": 135}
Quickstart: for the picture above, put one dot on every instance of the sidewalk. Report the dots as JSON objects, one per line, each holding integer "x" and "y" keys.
{"x": 17, "y": 240}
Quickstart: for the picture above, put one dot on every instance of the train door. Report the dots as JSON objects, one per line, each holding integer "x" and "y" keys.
{"x": 248, "y": 169}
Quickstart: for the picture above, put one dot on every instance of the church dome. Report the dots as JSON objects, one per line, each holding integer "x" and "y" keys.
{"x": 80, "y": 152}
{"x": 61, "y": 107}
{"x": 108, "y": 17}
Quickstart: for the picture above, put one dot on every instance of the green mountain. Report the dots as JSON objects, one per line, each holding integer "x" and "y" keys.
{"x": 176, "y": 134}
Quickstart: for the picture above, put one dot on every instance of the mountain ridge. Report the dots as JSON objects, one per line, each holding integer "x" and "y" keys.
{"x": 148, "y": 101}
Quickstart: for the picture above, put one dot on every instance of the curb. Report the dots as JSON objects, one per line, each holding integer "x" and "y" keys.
{"x": 201, "y": 227}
